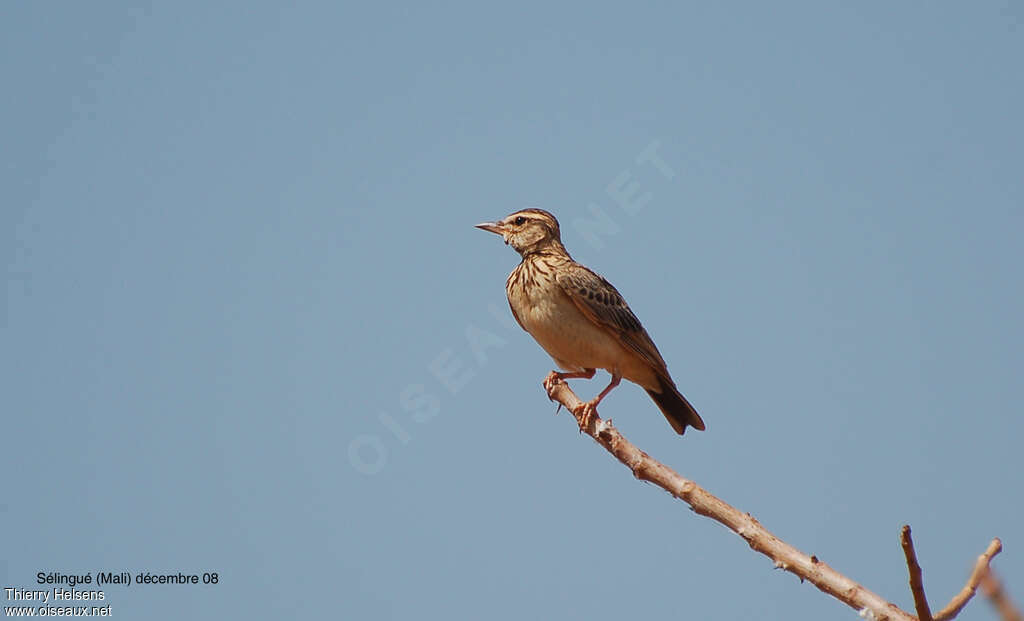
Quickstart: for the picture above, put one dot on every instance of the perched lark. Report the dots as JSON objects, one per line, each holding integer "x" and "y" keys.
{"x": 580, "y": 319}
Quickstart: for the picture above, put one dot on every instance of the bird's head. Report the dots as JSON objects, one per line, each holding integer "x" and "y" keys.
{"x": 527, "y": 230}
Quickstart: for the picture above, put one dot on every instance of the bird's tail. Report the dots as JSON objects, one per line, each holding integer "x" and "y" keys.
{"x": 675, "y": 407}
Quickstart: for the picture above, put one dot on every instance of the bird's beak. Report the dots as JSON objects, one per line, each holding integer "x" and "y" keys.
{"x": 493, "y": 227}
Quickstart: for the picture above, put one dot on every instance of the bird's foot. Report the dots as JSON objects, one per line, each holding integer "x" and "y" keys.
{"x": 549, "y": 384}
{"x": 584, "y": 413}
{"x": 552, "y": 380}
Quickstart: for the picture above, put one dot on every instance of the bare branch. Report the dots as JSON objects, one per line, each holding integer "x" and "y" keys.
{"x": 916, "y": 582}
{"x": 785, "y": 556}
{"x": 992, "y": 587}
{"x": 960, "y": 600}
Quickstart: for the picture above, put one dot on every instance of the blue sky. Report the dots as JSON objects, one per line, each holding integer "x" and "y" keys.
{"x": 249, "y": 327}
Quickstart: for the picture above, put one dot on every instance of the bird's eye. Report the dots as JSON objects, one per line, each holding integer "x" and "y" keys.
{"x": 520, "y": 220}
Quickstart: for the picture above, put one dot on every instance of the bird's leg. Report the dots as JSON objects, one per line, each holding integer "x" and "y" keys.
{"x": 555, "y": 376}
{"x": 590, "y": 407}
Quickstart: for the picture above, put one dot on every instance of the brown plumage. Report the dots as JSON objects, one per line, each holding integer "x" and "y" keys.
{"x": 580, "y": 319}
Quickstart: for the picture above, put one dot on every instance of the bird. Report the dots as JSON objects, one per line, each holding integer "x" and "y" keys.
{"x": 581, "y": 320}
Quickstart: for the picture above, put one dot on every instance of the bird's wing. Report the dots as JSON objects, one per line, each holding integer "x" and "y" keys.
{"x": 599, "y": 301}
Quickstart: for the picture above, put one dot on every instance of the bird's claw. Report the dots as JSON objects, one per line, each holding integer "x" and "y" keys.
{"x": 550, "y": 382}
{"x": 584, "y": 414}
